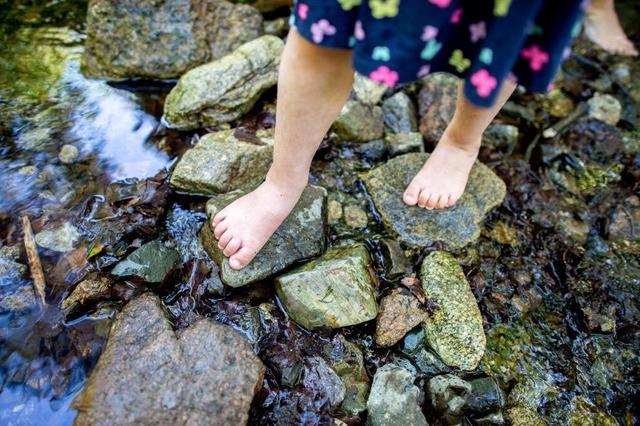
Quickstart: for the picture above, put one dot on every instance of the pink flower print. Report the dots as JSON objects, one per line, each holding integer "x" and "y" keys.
{"x": 429, "y": 32}
{"x": 320, "y": 29}
{"x": 483, "y": 82}
{"x": 478, "y": 31}
{"x": 537, "y": 57}
{"x": 303, "y": 10}
{"x": 358, "y": 31}
{"x": 456, "y": 16}
{"x": 383, "y": 74}
{"x": 441, "y": 3}
{"x": 424, "y": 70}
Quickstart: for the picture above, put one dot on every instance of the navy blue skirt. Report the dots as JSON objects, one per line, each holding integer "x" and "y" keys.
{"x": 484, "y": 42}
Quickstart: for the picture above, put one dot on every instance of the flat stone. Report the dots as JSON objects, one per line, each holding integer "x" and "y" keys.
{"x": 163, "y": 40}
{"x": 335, "y": 290}
{"x": 355, "y": 217}
{"x": 436, "y": 104}
{"x": 456, "y": 226}
{"x": 403, "y": 143}
{"x": 605, "y": 108}
{"x": 151, "y": 262}
{"x": 399, "y": 312}
{"x": 400, "y": 113}
{"x": 87, "y": 291}
{"x": 225, "y": 89}
{"x": 61, "y": 239}
{"x": 301, "y": 236}
{"x": 220, "y": 162}
{"x": 454, "y": 330}
{"x": 393, "y": 400}
{"x": 359, "y": 122}
{"x": 500, "y": 136}
{"x": 149, "y": 374}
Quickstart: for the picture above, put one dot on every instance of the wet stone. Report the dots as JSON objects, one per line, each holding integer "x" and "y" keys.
{"x": 359, "y": 122}
{"x": 368, "y": 91}
{"x": 163, "y": 40}
{"x": 349, "y": 366}
{"x": 87, "y": 291}
{"x": 400, "y": 114}
{"x": 605, "y": 108}
{"x": 394, "y": 399}
{"x": 436, "y": 105}
{"x": 399, "y": 312}
{"x": 403, "y": 143}
{"x": 220, "y": 162}
{"x": 486, "y": 395}
{"x": 500, "y": 136}
{"x": 335, "y": 290}
{"x": 456, "y": 226}
{"x": 150, "y": 374}
{"x": 454, "y": 330}
{"x": 448, "y": 394}
{"x": 151, "y": 262}
{"x": 61, "y": 239}
{"x": 354, "y": 216}
{"x": 68, "y": 154}
{"x": 625, "y": 221}
{"x": 19, "y": 299}
{"x": 225, "y": 89}
{"x": 583, "y": 413}
{"x": 301, "y": 236}
{"x": 334, "y": 211}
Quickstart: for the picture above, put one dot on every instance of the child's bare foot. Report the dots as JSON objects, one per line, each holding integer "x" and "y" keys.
{"x": 442, "y": 179}
{"x": 244, "y": 226}
{"x": 603, "y": 28}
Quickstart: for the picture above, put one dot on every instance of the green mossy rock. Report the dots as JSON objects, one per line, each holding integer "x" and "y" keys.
{"x": 151, "y": 262}
{"x": 220, "y": 162}
{"x": 225, "y": 89}
{"x": 454, "y": 330}
{"x": 335, "y": 290}
{"x": 359, "y": 122}
{"x": 301, "y": 236}
{"x": 456, "y": 226}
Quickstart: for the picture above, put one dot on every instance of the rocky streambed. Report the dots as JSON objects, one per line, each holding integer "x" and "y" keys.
{"x": 517, "y": 306}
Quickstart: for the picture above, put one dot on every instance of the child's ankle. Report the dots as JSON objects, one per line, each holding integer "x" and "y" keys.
{"x": 462, "y": 140}
{"x": 289, "y": 180}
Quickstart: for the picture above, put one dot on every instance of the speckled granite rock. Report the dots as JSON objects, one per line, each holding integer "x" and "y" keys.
{"x": 225, "y": 89}
{"x": 163, "y": 40}
{"x": 400, "y": 311}
{"x": 436, "y": 105}
{"x": 359, "y": 122}
{"x": 454, "y": 330}
{"x": 301, "y": 236}
{"x": 220, "y": 162}
{"x": 335, "y": 290}
{"x": 457, "y": 226}
{"x": 149, "y": 374}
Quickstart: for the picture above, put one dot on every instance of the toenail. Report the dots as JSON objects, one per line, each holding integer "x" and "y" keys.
{"x": 235, "y": 263}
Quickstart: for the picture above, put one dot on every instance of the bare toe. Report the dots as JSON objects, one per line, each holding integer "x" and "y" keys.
{"x": 220, "y": 228}
{"x": 432, "y": 201}
{"x": 411, "y": 194}
{"x": 423, "y": 198}
{"x": 219, "y": 216}
{"x": 224, "y": 240}
{"x": 241, "y": 258}
{"x": 442, "y": 201}
{"x": 232, "y": 247}
{"x": 452, "y": 200}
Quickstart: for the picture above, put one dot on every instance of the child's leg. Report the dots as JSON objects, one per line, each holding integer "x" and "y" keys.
{"x": 442, "y": 179}
{"x": 313, "y": 85}
{"x": 603, "y": 28}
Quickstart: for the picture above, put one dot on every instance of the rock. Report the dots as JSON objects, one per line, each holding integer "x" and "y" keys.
{"x": 359, "y": 122}
{"x": 87, "y": 291}
{"x": 20, "y": 299}
{"x": 400, "y": 114}
{"x": 220, "y": 162}
{"x": 68, "y": 154}
{"x": 573, "y": 230}
{"x": 60, "y": 239}
{"x": 394, "y": 399}
{"x": 448, "y": 394}
{"x": 149, "y": 374}
{"x": 319, "y": 377}
{"x": 605, "y": 108}
{"x": 491, "y": 419}
{"x": 301, "y": 236}
{"x": 399, "y": 312}
{"x": 277, "y": 27}
{"x": 267, "y": 5}
{"x": 355, "y": 217}
{"x": 486, "y": 395}
{"x": 456, "y": 226}
{"x": 521, "y": 415}
{"x": 334, "y": 211}
{"x": 35, "y": 139}
{"x": 335, "y": 290}
{"x": 500, "y": 136}
{"x": 436, "y": 105}
{"x": 625, "y": 221}
{"x": 584, "y": 413}
{"x": 225, "y": 89}
{"x": 368, "y": 91}
{"x": 162, "y": 40}
{"x": 413, "y": 345}
{"x": 396, "y": 263}
{"x": 402, "y": 143}
{"x": 16, "y": 294}
{"x": 349, "y": 365}
{"x": 151, "y": 262}
{"x": 558, "y": 104}
{"x": 454, "y": 330}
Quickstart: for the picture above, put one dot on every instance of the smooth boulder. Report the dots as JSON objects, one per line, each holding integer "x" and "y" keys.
{"x": 301, "y": 236}
{"x": 335, "y": 290}
{"x": 225, "y": 89}
{"x": 150, "y": 374}
{"x": 454, "y": 329}
{"x": 456, "y": 226}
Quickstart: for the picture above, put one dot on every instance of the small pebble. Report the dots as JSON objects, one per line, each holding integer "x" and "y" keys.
{"x": 68, "y": 154}
{"x": 605, "y": 108}
{"x": 355, "y": 217}
{"x": 334, "y": 213}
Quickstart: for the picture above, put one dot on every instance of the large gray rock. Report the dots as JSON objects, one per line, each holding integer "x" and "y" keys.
{"x": 151, "y": 262}
{"x": 359, "y": 122}
{"x": 220, "y": 162}
{"x": 436, "y": 105}
{"x": 162, "y": 39}
{"x": 225, "y": 89}
{"x": 301, "y": 236}
{"x": 457, "y": 225}
{"x": 400, "y": 113}
{"x": 335, "y": 290}
{"x": 149, "y": 374}
{"x": 393, "y": 400}
{"x": 454, "y": 330}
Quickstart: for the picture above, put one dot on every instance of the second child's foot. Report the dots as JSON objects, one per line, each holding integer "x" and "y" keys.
{"x": 442, "y": 179}
{"x": 603, "y": 28}
{"x": 244, "y": 226}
